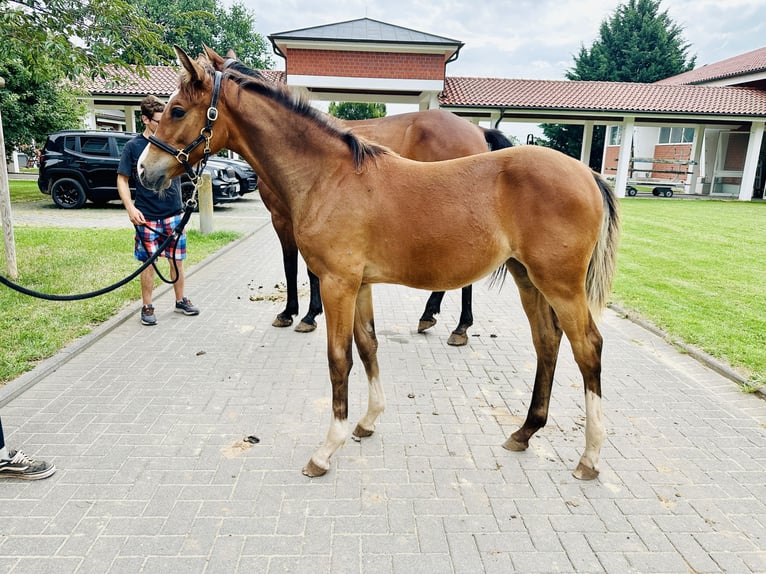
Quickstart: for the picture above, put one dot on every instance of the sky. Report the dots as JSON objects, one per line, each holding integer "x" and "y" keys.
{"x": 524, "y": 39}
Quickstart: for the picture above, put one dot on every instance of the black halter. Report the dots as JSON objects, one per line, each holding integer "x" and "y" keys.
{"x": 205, "y": 134}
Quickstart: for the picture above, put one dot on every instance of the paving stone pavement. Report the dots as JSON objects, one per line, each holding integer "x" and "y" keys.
{"x": 146, "y": 426}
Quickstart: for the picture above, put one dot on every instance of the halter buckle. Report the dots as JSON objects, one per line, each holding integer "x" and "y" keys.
{"x": 181, "y": 156}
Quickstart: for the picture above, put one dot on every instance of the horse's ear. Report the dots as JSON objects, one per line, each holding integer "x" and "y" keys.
{"x": 195, "y": 71}
{"x": 231, "y": 54}
{"x": 212, "y": 55}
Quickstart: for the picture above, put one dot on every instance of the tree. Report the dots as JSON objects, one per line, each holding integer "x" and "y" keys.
{"x": 192, "y": 23}
{"x": 356, "y": 111}
{"x": 638, "y": 43}
{"x": 71, "y": 38}
{"x": 34, "y": 107}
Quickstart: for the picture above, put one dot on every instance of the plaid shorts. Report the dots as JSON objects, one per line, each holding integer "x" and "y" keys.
{"x": 149, "y": 237}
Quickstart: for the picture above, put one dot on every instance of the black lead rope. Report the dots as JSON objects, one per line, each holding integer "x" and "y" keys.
{"x": 182, "y": 156}
{"x": 50, "y": 297}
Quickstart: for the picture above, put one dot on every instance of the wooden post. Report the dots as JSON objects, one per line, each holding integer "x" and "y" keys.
{"x": 5, "y": 207}
{"x": 205, "y": 202}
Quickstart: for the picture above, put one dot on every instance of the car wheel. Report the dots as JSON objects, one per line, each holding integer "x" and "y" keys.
{"x": 67, "y": 193}
{"x": 632, "y": 191}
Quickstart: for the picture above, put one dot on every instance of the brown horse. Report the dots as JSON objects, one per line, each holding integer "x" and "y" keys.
{"x": 430, "y": 135}
{"x": 364, "y": 215}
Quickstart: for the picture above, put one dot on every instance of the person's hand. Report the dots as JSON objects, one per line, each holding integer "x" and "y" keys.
{"x": 136, "y": 217}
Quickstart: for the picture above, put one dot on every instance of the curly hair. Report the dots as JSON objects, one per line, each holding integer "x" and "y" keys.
{"x": 150, "y": 105}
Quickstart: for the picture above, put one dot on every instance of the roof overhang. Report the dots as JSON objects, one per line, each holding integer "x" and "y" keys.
{"x": 282, "y": 45}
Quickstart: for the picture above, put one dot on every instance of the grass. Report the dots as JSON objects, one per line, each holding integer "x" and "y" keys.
{"x": 24, "y": 190}
{"x": 697, "y": 270}
{"x": 34, "y": 329}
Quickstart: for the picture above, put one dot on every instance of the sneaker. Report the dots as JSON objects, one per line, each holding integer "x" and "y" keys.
{"x": 21, "y": 466}
{"x": 185, "y": 306}
{"x": 147, "y": 315}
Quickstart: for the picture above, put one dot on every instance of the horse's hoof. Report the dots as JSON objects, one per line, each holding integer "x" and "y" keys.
{"x": 313, "y": 470}
{"x": 426, "y": 324}
{"x": 514, "y": 445}
{"x": 304, "y": 327}
{"x": 457, "y": 339}
{"x": 360, "y": 433}
{"x": 282, "y": 321}
{"x": 583, "y": 472}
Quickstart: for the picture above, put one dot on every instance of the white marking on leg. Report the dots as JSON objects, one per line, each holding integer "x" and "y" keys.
{"x": 376, "y": 404}
{"x": 336, "y": 437}
{"x": 594, "y": 430}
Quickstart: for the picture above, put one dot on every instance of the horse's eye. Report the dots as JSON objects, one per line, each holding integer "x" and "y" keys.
{"x": 177, "y": 113}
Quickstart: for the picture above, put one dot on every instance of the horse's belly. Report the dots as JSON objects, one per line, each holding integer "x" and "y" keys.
{"x": 435, "y": 270}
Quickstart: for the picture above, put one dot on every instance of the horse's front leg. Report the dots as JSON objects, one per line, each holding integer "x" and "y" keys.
{"x": 308, "y": 323}
{"x": 339, "y": 298}
{"x": 459, "y": 336}
{"x": 367, "y": 346}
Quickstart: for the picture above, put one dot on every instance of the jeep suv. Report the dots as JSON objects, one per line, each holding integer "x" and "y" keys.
{"x": 80, "y": 165}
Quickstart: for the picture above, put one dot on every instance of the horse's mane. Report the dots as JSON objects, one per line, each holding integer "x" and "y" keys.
{"x": 254, "y": 81}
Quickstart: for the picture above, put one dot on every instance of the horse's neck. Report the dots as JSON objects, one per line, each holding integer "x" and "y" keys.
{"x": 290, "y": 151}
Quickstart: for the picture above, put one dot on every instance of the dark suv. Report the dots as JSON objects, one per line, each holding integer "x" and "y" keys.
{"x": 80, "y": 165}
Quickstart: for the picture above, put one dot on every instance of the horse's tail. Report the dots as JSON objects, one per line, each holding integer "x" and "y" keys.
{"x": 495, "y": 139}
{"x": 598, "y": 281}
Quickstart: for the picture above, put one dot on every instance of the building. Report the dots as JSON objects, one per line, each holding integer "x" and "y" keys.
{"x": 668, "y": 124}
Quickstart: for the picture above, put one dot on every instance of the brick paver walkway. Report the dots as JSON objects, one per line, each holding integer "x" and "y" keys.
{"x": 147, "y": 425}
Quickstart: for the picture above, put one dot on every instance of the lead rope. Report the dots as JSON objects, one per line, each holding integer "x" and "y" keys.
{"x": 52, "y": 297}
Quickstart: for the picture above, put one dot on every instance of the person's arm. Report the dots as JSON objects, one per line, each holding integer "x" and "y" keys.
{"x": 123, "y": 188}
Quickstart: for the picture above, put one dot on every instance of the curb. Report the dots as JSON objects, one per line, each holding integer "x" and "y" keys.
{"x": 19, "y": 385}
{"x": 708, "y": 360}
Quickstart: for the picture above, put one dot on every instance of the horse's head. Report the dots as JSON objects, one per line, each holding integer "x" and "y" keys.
{"x": 189, "y": 128}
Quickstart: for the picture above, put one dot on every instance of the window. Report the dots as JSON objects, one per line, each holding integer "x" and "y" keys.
{"x": 676, "y": 135}
{"x": 121, "y": 143}
{"x": 94, "y": 145}
{"x": 70, "y": 143}
{"x": 615, "y": 135}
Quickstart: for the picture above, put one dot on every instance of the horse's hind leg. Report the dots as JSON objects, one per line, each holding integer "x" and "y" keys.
{"x": 546, "y": 337}
{"x": 308, "y": 323}
{"x": 586, "y": 341}
{"x": 433, "y": 307}
{"x": 367, "y": 346}
{"x": 459, "y": 336}
{"x": 290, "y": 261}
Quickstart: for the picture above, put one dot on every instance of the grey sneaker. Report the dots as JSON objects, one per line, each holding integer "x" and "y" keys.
{"x": 185, "y": 306}
{"x": 21, "y": 466}
{"x": 147, "y": 315}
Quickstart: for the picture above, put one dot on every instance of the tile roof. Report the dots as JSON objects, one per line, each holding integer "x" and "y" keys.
{"x": 539, "y": 95}
{"x": 363, "y": 30}
{"x": 602, "y": 96}
{"x": 742, "y": 65}
{"x": 160, "y": 81}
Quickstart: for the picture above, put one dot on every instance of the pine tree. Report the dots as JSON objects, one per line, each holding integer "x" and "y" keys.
{"x": 638, "y": 43}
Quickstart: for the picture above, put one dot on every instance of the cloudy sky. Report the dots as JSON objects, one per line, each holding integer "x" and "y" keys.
{"x": 528, "y": 39}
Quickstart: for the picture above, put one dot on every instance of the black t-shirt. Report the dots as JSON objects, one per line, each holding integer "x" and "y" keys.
{"x": 151, "y": 204}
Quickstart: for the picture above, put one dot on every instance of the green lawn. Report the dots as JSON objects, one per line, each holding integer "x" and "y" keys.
{"x": 34, "y": 329}
{"x": 25, "y": 190}
{"x": 697, "y": 269}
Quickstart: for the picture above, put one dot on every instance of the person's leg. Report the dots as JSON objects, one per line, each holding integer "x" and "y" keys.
{"x": 15, "y": 464}
{"x": 147, "y": 285}
{"x": 3, "y": 450}
{"x": 178, "y": 283}
{"x": 146, "y": 243}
